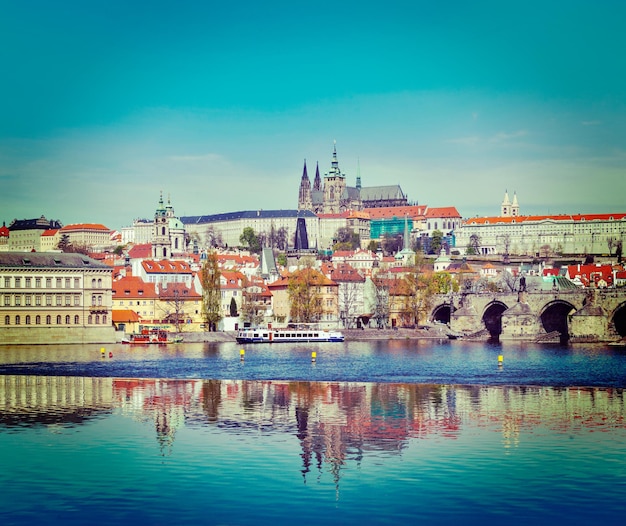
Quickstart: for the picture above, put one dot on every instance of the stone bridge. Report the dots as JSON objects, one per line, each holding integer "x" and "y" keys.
{"x": 574, "y": 315}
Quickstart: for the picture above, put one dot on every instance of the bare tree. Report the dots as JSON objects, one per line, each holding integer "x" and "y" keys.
{"x": 381, "y": 302}
{"x": 348, "y": 301}
{"x": 211, "y": 292}
{"x": 173, "y": 304}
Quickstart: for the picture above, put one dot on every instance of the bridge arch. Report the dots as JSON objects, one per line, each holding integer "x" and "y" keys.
{"x": 618, "y": 319}
{"x": 492, "y": 317}
{"x": 554, "y": 317}
{"x": 442, "y": 313}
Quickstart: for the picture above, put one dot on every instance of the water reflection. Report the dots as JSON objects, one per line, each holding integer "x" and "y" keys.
{"x": 334, "y": 423}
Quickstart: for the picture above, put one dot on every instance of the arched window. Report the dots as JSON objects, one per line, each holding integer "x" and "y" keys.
{"x": 48, "y": 320}
{"x": 164, "y": 252}
{"x": 76, "y": 320}
{"x": 97, "y": 319}
{"x": 59, "y": 319}
{"x": 17, "y": 320}
{"x": 104, "y": 319}
{"x": 99, "y": 300}
{"x": 67, "y": 319}
{"x": 7, "y": 320}
{"x": 99, "y": 283}
{"x": 162, "y": 230}
{"x": 37, "y": 320}
{"x": 93, "y": 283}
{"x": 27, "y": 320}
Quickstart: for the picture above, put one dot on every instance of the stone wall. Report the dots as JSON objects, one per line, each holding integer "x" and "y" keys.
{"x": 33, "y": 335}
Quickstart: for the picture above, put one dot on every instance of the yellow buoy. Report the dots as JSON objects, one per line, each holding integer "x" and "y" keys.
{"x": 313, "y": 356}
{"x": 242, "y": 354}
{"x": 500, "y": 359}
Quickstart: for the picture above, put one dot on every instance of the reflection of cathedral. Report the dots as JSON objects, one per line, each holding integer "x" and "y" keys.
{"x": 333, "y": 196}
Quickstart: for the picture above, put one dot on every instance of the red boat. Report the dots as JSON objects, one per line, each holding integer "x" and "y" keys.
{"x": 148, "y": 336}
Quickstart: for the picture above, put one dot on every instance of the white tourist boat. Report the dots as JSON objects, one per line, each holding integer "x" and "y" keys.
{"x": 299, "y": 334}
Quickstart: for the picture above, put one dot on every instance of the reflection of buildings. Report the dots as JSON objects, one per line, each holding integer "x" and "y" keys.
{"x": 335, "y": 424}
{"x": 52, "y": 400}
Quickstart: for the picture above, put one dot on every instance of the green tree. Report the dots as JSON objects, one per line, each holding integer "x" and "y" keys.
{"x": 372, "y": 245}
{"x": 281, "y": 259}
{"x": 249, "y": 239}
{"x": 233, "y": 308}
{"x": 347, "y": 239}
{"x": 211, "y": 292}
{"x": 436, "y": 239}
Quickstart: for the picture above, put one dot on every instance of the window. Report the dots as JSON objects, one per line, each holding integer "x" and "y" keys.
{"x": 17, "y": 320}
{"x": 59, "y": 319}
{"x": 18, "y": 283}
{"x": 93, "y": 283}
{"x": 97, "y": 319}
{"x": 76, "y": 283}
{"x": 18, "y": 301}
{"x": 7, "y": 283}
{"x": 104, "y": 319}
{"x": 67, "y": 283}
{"x": 58, "y": 300}
{"x": 68, "y": 300}
{"x": 76, "y": 320}
{"x": 38, "y": 283}
{"x": 27, "y": 283}
{"x": 99, "y": 283}
{"x": 27, "y": 320}
{"x": 48, "y": 283}
{"x": 67, "y": 319}
{"x": 48, "y": 301}
{"x": 89, "y": 319}
{"x": 76, "y": 300}
{"x": 7, "y": 300}
{"x": 37, "y": 320}
{"x": 7, "y": 320}
{"x": 48, "y": 320}
{"x": 27, "y": 300}
{"x": 58, "y": 283}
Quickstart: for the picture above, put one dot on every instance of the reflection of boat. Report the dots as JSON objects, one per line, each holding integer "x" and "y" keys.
{"x": 152, "y": 336}
{"x": 288, "y": 335}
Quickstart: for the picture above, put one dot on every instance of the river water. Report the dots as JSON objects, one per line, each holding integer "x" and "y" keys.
{"x": 404, "y": 431}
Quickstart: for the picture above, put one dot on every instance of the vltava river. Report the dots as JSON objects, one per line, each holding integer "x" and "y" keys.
{"x": 371, "y": 433}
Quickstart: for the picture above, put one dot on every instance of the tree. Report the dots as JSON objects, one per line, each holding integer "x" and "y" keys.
{"x": 508, "y": 281}
{"x": 249, "y": 239}
{"x": 305, "y": 302}
{"x": 347, "y": 239}
{"x": 373, "y": 245}
{"x": 392, "y": 244}
{"x": 473, "y": 248}
{"x": 252, "y": 306}
{"x": 233, "y": 308}
{"x": 618, "y": 251}
{"x": 436, "y": 240}
{"x": 611, "y": 242}
{"x": 348, "y": 301}
{"x": 381, "y": 301}
{"x": 64, "y": 243}
{"x": 211, "y": 292}
{"x": 173, "y": 303}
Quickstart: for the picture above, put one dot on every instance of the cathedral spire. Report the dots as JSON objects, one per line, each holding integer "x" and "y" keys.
{"x": 304, "y": 197}
{"x": 358, "y": 174}
{"x": 317, "y": 183}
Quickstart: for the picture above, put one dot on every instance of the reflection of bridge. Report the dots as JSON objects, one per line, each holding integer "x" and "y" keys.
{"x": 578, "y": 315}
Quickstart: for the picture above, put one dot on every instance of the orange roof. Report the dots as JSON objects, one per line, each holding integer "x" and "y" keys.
{"x": 563, "y": 217}
{"x": 121, "y": 316}
{"x": 140, "y": 251}
{"x": 387, "y": 212}
{"x": 446, "y": 211}
{"x": 165, "y": 266}
{"x": 85, "y": 226}
{"x": 133, "y": 287}
{"x": 49, "y": 232}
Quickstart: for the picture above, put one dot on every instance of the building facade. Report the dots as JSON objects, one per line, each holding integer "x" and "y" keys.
{"x": 54, "y": 298}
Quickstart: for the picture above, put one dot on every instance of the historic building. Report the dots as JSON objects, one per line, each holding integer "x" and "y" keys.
{"x": 54, "y": 298}
{"x": 541, "y": 235}
{"x": 93, "y": 236}
{"x": 334, "y": 196}
{"x": 25, "y": 234}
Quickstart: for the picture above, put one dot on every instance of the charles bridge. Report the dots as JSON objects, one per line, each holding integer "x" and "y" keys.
{"x": 570, "y": 315}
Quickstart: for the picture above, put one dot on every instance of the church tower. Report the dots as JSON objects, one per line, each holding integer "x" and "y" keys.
{"x": 514, "y": 206}
{"x": 334, "y": 186}
{"x": 161, "y": 245}
{"x": 317, "y": 183}
{"x": 305, "y": 201}
{"x": 505, "y": 207}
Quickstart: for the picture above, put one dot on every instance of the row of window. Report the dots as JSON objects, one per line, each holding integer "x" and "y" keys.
{"x": 68, "y": 283}
{"x": 26, "y": 300}
{"x": 28, "y": 320}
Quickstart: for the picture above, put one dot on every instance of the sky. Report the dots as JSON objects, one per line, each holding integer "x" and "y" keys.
{"x": 106, "y": 104}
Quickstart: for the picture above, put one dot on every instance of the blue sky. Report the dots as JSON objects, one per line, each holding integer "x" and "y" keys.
{"x": 104, "y": 104}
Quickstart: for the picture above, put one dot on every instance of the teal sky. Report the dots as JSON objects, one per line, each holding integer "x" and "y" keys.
{"x": 103, "y": 104}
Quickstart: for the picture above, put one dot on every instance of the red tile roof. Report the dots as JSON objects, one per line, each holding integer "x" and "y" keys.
{"x": 446, "y": 211}
{"x": 387, "y": 212}
{"x": 133, "y": 287}
{"x": 84, "y": 226}
{"x": 564, "y": 217}
{"x": 165, "y": 266}
{"x": 140, "y": 251}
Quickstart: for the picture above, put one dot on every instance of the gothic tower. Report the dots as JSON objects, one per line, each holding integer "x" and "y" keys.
{"x": 305, "y": 201}
{"x": 514, "y": 206}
